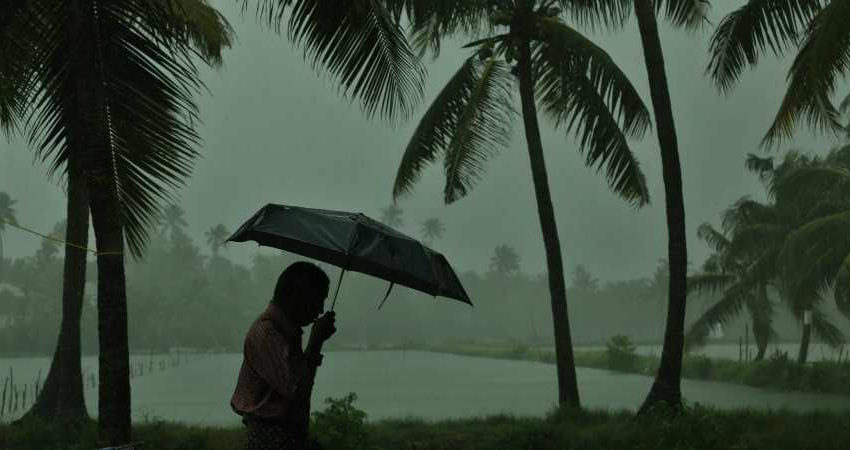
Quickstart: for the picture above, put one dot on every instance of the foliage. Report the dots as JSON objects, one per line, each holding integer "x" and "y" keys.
{"x": 340, "y": 426}
{"x": 622, "y": 355}
{"x": 696, "y": 428}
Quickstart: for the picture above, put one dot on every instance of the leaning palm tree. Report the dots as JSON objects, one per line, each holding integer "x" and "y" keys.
{"x": 526, "y": 44}
{"x": 432, "y": 228}
{"x": 770, "y": 234}
{"x": 816, "y": 254}
{"x": 216, "y": 237}
{"x": 819, "y": 33}
{"x": 688, "y": 14}
{"x": 7, "y": 216}
{"x": 729, "y": 274}
{"x": 107, "y": 89}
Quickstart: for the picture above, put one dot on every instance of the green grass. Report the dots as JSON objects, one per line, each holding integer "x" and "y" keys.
{"x": 698, "y": 428}
{"x": 777, "y": 372}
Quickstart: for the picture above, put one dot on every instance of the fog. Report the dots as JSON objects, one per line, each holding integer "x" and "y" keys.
{"x": 276, "y": 131}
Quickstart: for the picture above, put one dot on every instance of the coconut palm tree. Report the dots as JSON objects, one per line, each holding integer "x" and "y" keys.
{"x": 728, "y": 273}
{"x": 391, "y": 216}
{"x": 504, "y": 261}
{"x": 769, "y": 236}
{"x": 432, "y": 228}
{"x": 216, "y": 237}
{"x": 7, "y": 216}
{"x": 556, "y": 69}
{"x": 688, "y": 14}
{"x": 819, "y": 34}
{"x": 107, "y": 88}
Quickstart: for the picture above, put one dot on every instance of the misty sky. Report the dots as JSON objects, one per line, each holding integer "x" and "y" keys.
{"x": 276, "y": 131}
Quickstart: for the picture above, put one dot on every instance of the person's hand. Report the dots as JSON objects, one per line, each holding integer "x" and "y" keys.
{"x": 323, "y": 328}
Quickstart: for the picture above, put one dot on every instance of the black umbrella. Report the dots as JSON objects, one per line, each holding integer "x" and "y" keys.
{"x": 353, "y": 242}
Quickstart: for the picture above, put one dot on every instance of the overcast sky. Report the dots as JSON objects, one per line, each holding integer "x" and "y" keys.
{"x": 276, "y": 131}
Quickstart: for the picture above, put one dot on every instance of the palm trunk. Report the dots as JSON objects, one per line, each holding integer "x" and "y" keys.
{"x": 61, "y": 398}
{"x": 567, "y": 384}
{"x": 667, "y": 385}
{"x": 762, "y": 322}
{"x": 92, "y": 109}
{"x": 804, "y": 344}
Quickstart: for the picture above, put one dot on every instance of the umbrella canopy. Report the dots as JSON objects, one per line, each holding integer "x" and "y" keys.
{"x": 353, "y": 242}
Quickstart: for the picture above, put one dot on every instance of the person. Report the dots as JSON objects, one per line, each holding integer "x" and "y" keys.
{"x": 276, "y": 378}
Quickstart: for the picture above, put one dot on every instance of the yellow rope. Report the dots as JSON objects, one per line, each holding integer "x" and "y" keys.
{"x": 95, "y": 252}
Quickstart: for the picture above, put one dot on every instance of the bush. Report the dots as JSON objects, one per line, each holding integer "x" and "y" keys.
{"x": 340, "y": 426}
{"x": 621, "y": 354}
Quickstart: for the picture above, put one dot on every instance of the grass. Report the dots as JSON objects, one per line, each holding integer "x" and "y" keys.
{"x": 698, "y": 428}
{"x": 777, "y": 372}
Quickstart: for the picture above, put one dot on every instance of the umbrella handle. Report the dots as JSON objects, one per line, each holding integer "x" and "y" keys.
{"x": 386, "y": 296}
{"x": 338, "y": 283}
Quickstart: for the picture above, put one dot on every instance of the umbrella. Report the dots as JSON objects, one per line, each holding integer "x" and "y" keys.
{"x": 354, "y": 242}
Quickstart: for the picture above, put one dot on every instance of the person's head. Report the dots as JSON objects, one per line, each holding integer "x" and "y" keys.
{"x": 301, "y": 291}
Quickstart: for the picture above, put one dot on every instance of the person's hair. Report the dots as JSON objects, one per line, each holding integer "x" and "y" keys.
{"x": 297, "y": 278}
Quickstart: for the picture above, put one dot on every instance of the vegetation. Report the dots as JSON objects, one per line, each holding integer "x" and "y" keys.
{"x": 775, "y": 372}
{"x": 557, "y": 69}
{"x": 697, "y": 428}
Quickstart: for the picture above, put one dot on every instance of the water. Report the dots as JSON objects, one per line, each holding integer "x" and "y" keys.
{"x": 392, "y": 384}
{"x": 817, "y": 351}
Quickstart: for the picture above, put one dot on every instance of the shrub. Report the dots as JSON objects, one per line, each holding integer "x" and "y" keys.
{"x": 340, "y": 426}
{"x": 621, "y": 354}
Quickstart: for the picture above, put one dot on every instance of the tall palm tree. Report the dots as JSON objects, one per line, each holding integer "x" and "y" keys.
{"x": 108, "y": 91}
{"x": 432, "y": 228}
{"x": 817, "y": 30}
{"x": 573, "y": 81}
{"x": 391, "y": 216}
{"x": 688, "y": 14}
{"x": 504, "y": 261}
{"x": 216, "y": 236}
{"x": 7, "y": 216}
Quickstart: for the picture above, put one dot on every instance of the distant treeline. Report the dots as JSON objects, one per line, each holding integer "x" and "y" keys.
{"x": 179, "y": 296}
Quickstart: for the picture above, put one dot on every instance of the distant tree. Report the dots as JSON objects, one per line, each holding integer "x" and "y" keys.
{"x": 216, "y": 236}
{"x": 432, "y": 228}
{"x": 583, "y": 280}
{"x": 50, "y": 246}
{"x": 504, "y": 261}
{"x": 173, "y": 222}
{"x": 7, "y": 216}
{"x": 391, "y": 216}
{"x": 658, "y": 286}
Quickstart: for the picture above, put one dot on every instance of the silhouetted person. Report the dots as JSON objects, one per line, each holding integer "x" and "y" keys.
{"x": 276, "y": 379}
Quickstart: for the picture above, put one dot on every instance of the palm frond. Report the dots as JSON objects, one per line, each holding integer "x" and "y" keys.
{"x": 758, "y": 26}
{"x": 814, "y": 253}
{"x": 472, "y": 110}
{"x": 827, "y": 331}
{"x": 432, "y": 21}
{"x": 581, "y": 88}
{"x": 688, "y": 14}
{"x": 814, "y": 181}
{"x": 204, "y": 27}
{"x": 763, "y": 167}
{"x": 727, "y": 308}
{"x": 598, "y": 13}
{"x": 709, "y": 283}
{"x": 718, "y": 242}
{"x": 823, "y": 59}
{"x": 483, "y": 127}
{"x": 360, "y": 44}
